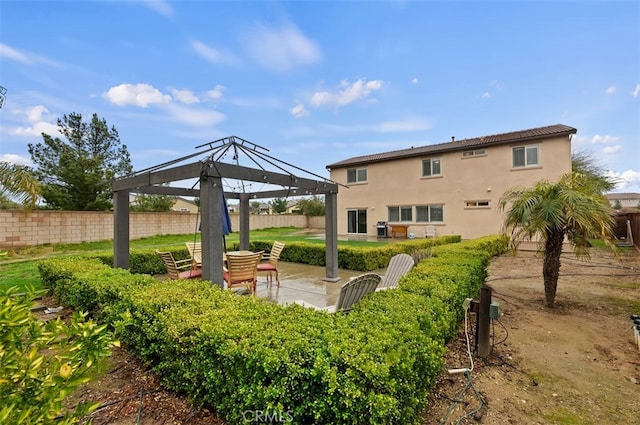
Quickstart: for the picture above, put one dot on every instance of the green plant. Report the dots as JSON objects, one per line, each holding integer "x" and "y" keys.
{"x": 43, "y": 362}
{"x": 572, "y": 208}
{"x": 374, "y": 365}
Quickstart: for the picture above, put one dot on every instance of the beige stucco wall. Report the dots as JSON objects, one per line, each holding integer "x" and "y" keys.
{"x": 480, "y": 178}
{"x": 20, "y": 228}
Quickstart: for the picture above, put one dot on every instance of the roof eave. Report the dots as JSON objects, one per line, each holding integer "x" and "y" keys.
{"x": 450, "y": 148}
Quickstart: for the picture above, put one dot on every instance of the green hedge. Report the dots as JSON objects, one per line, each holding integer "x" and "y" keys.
{"x": 238, "y": 354}
{"x": 349, "y": 258}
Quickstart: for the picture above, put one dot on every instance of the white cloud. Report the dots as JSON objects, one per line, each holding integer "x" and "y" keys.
{"x": 38, "y": 113}
{"x": 15, "y": 159}
{"x": 195, "y": 117}
{"x": 612, "y": 149}
{"x": 486, "y": 95}
{"x": 299, "y": 111}
{"x": 39, "y": 121}
{"x": 629, "y": 180}
{"x": 160, "y": 6}
{"x": 603, "y": 139}
{"x": 496, "y": 85}
{"x": 415, "y": 80}
{"x": 26, "y": 58}
{"x": 404, "y": 125}
{"x": 610, "y": 90}
{"x": 216, "y": 93}
{"x": 139, "y": 94}
{"x": 281, "y": 49}
{"x": 262, "y": 102}
{"x": 13, "y": 54}
{"x": 347, "y": 94}
{"x": 412, "y": 124}
{"x": 636, "y": 91}
{"x": 185, "y": 96}
{"x": 212, "y": 54}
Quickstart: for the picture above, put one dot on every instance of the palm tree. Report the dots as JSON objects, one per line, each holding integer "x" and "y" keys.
{"x": 573, "y": 207}
{"x": 20, "y": 182}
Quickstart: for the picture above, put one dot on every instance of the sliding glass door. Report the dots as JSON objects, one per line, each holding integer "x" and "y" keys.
{"x": 357, "y": 221}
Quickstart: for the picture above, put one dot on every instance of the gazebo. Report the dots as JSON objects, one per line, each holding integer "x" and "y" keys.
{"x": 280, "y": 178}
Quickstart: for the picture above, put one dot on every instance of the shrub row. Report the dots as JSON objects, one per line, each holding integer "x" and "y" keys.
{"x": 239, "y": 355}
{"x": 349, "y": 258}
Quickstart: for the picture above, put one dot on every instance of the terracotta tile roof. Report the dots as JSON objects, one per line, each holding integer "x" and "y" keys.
{"x": 460, "y": 145}
{"x": 622, "y": 196}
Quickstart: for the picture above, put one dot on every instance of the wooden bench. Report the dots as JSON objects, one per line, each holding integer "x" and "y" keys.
{"x": 399, "y": 230}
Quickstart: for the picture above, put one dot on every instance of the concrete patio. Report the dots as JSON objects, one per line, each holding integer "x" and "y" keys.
{"x": 304, "y": 282}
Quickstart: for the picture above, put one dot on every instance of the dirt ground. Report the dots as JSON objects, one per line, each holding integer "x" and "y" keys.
{"x": 574, "y": 364}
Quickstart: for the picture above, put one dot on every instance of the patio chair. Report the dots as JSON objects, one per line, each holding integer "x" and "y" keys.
{"x": 399, "y": 265}
{"x": 242, "y": 270}
{"x": 195, "y": 252}
{"x": 430, "y": 232}
{"x": 272, "y": 263}
{"x": 180, "y": 269}
{"x": 350, "y": 293}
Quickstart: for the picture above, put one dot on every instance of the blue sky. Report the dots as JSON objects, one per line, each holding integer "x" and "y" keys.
{"x": 319, "y": 82}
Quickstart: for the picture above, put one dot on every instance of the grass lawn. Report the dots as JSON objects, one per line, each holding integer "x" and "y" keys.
{"x": 19, "y": 268}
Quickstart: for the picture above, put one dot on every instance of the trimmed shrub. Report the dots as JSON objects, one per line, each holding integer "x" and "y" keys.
{"x": 240, "y": 354}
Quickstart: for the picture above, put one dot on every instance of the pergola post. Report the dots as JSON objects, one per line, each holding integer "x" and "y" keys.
{"x": 211, "y": 206}
{"x": 121, "y": 229}
{"x": 245, "y": 209}
{"x": 331, "y": 236}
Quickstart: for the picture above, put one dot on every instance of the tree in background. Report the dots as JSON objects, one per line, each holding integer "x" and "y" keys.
{"x": 254, "y": 207}
{"x": 617, "y": 205}
{"x": 279, "y": 205}
{"x": 573, "y": 207}
{"x": 312, "y": 207}
{"x": 153, "y": 203}
{"x": 18, "y": 181}
{"x": 76, "y": 174}
{"x": 585, "y": 163}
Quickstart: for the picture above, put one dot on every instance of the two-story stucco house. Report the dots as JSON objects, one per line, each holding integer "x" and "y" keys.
{"x": 452, "y": 188}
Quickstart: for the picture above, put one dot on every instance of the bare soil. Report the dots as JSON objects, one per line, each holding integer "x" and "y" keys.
{"x": 574, "y": 364}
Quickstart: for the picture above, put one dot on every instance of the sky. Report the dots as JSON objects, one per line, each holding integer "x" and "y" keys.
{"x": 316, "y": 82}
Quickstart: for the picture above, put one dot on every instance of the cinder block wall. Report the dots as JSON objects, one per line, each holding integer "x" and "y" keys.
{"x": 19, "y": 228}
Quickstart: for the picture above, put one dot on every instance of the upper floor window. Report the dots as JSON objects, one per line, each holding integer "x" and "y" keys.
{"x": 429, "y": 213}
{"x": 431, "y": 167}
{"x": 475, "y": 152}
{"x": 476, "y": 204}
{"x": 526, "y": 156}
{"x": 399, "y": 214}
{"x": 356, "y": 175}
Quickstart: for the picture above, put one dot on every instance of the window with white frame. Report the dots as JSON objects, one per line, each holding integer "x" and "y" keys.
{"x": 526, "y": 156}
{"x": 357, "y": 175}
{"x": 430, "y": 213}
{"x": 475, "y": 152}
{"x": 431, "y": 167}
{"x": 399, "y": 214}
{"x": 476, "y": 204}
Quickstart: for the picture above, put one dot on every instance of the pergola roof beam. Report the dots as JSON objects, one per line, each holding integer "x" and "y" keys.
{"x": 167, "y": 190}
{"x": 238, "y": 172}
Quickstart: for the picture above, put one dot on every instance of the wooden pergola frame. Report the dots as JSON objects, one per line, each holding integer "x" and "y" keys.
{"x": 210, "y": 173}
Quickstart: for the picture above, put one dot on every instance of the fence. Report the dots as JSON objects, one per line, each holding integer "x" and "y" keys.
{"x": 625, "y": 221}
{"x": 19, "y": 228}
